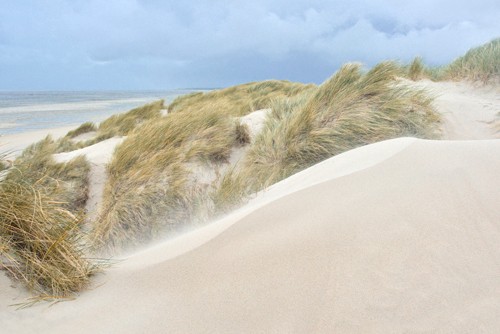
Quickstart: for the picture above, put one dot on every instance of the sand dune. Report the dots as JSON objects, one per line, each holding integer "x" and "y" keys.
{"x": 398, "y": 236}
{"x": 409, "y": 243}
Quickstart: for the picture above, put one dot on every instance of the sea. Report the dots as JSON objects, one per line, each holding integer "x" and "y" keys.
{"x": 28, "y": 111}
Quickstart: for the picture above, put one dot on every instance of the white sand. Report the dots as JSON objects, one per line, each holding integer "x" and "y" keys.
{"x": 16, "y": 143}
{"x": 399, "y": 236}
{"x": 255, "y": 121}
{"x": 469, "y": 111}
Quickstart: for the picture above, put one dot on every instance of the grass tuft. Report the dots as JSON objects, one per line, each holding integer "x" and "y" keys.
{"x": 40, "y": 217}
{"x": 150, "y": 187}
{"x": 242, "y": 134}
{"x": 116, "y": 125}
{"x": 84, "y": 128}
{"x": 478, "y": 64}
{"x": 416, "y": 69}
{"x": 123, "y": 124}
{"x": 242, "y": 99}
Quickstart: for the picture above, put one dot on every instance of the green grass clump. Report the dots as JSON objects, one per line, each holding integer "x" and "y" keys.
{"x": 36, "y": 166}
{"x": 40, "y": 242}
{"x": 41, "y": 211}
{"x": 116, "y": 125}
{"x": 242, "y": 99}
{"x": 478, "y": 64}
{"x": 416, "y": 69}
{"x": 150, "y": 187}
{"x": 123, "y": 124}
{"x": 84, "y": 128}
{"x": 349, "y": 110}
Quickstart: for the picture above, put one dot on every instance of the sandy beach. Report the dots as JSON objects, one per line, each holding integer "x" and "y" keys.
{"x": 14, "y": 144}
{"x": 398, "y": 236}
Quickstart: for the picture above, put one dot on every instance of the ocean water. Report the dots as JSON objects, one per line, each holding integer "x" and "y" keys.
{"x": 26, "y": 111}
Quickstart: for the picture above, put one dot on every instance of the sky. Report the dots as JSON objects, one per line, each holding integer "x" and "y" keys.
{"x": 154, "y": 44}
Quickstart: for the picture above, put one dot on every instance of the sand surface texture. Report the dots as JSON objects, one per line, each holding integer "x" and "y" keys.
{"x": 469, "y": 111}
{"x": 399, "y": 236}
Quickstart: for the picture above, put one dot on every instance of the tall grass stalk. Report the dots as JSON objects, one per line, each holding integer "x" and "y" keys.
{"x": 40, "y": 237}
{"x": 478, "y": 64}
{"x": 150, "y": 187}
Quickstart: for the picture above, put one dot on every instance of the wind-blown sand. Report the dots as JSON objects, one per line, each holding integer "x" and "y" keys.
{"x": 398, "y": 236}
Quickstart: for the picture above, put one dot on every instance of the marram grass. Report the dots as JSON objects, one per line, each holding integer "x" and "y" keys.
{"x": 242, "y": 99}
{"x": 84, "y": 128}
{"x": 116, "y": 125}
{"x": 349, "y": 110}
{"x": 150, "y": 187}
{"x": 40, "y": 242}
{"x": 478, "y": 64}
{"x": 41, "y": 214}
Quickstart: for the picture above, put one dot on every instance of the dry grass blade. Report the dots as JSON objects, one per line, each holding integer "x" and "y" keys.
{"x": 478, "y": 64}
{"x": 242, "y": 99}
{"x": 116, "y": 125}
{"x": 84, "y": 128}
{"x": 150, "y": 187}
{"x": 348, "y": 110}
{"x": 41, "y": 242}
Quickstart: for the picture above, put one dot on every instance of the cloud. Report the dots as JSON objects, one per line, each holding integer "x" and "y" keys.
{"x": 168, "y": 39}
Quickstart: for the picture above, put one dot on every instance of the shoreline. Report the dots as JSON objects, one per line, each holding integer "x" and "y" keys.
{"x": 14, "y": 144}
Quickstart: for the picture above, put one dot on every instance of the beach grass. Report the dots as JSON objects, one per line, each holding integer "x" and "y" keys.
{"x": 115, "y": 125}
{"x": 123, "y": 124}
{"x": 84, "y": 128}
{"x": 416, "y": 69}
{"x": 348, "y": 110}
{"x": 242, "y": 99}
{"x": 480, "y": 64}
{"x": 41, "y": 212}
{"x": 150, "y": 186}
{"x": 37, "y": 167}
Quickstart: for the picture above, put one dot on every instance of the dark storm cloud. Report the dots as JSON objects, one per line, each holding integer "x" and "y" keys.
{"x": 146, "y": 44}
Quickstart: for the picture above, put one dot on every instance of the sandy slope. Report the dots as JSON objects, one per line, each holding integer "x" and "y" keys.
{"x": 468, "y": 110}
{"x": 399, "y": 236}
